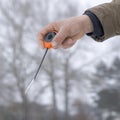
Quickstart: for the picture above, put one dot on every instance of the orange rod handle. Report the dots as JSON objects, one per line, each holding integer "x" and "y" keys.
{"x": 48, "y": 40}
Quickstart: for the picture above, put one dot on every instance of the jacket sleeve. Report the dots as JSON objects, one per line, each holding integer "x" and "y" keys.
{"x": 109, "y": 16}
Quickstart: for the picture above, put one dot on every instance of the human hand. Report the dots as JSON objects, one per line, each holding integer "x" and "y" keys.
{"x": 67, "y": 31}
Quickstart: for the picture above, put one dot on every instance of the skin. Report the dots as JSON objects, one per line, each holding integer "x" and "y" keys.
{"x": 68, "y": 31}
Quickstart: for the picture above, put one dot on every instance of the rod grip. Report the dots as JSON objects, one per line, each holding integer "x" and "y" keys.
{"x": 48, "y": 40}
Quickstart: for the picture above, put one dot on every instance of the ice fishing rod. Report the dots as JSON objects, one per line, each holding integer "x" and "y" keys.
{"x": 47, "y": 44}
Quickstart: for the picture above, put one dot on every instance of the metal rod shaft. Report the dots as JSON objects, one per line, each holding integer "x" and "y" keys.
{"x": 31, "y": 82}
{"x": 40, "y": 64}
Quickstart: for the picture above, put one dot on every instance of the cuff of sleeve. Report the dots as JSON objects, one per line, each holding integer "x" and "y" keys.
{"x": 98, "y": 33}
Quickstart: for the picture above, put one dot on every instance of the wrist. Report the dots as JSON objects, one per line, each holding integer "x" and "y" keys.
{"x": 87, "y": 24}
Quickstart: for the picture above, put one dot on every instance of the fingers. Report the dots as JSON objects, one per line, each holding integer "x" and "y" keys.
{"x": 69, "y": 42}
{"x": 59, "y": 38}
{"x": 41, "y": 35}
{"x": 61, "y": 34}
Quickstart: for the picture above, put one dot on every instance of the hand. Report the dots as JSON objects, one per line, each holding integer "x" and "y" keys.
{"x": 68, "y": 31}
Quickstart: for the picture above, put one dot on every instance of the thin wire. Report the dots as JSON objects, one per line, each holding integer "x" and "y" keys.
{"x": 31, "y": 82}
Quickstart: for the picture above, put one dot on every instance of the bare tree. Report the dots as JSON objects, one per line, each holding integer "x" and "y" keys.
{"x": 17, "y": 18}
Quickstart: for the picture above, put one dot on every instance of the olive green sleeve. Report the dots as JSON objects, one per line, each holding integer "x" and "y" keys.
{"x": 109, "y": 16}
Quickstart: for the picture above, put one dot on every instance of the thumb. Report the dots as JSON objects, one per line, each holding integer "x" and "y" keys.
{"x": 59, "y": 38}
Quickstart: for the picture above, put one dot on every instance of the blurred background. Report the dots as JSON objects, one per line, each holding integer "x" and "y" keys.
{"x": 80, "y": 83}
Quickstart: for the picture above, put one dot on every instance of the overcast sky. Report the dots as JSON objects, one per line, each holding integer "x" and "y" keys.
{"x": 91, "y": 3}
{"x": 96, "y": 2}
